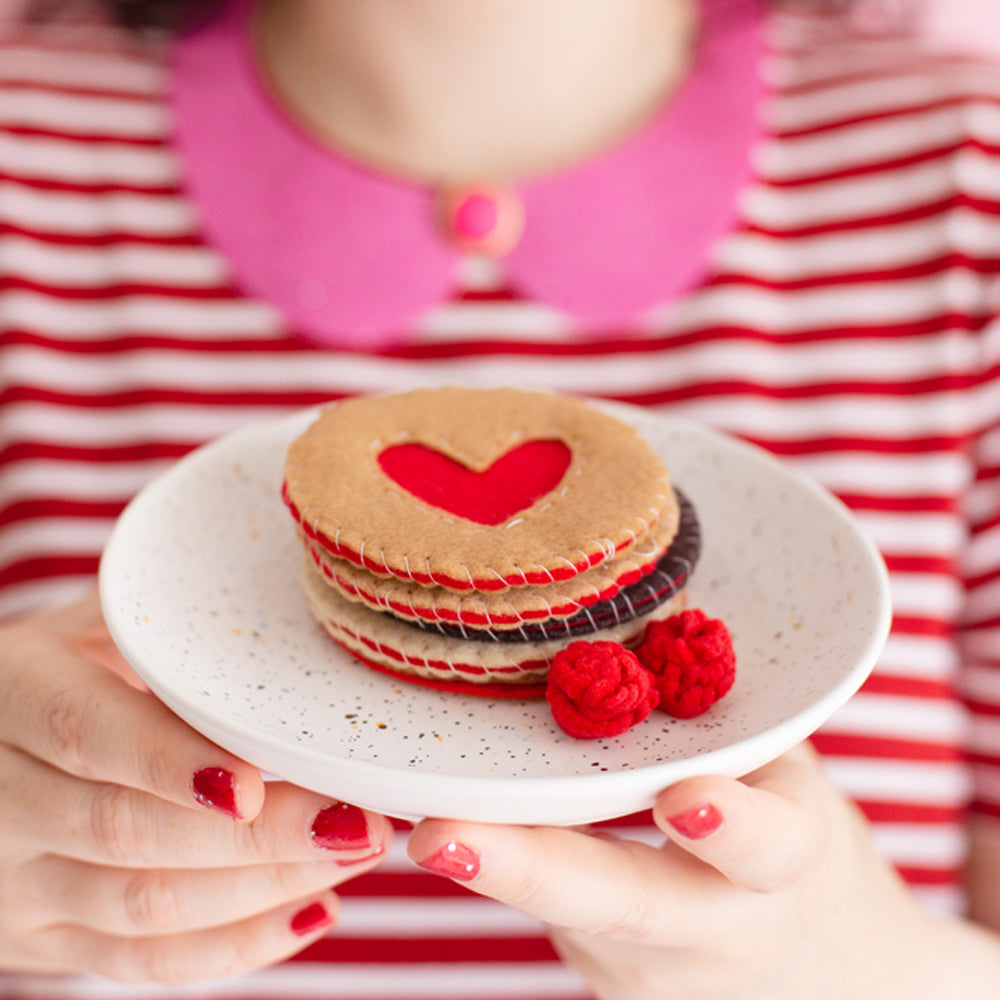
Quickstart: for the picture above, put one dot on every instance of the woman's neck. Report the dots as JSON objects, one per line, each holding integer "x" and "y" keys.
{"x": 461, "y": 90}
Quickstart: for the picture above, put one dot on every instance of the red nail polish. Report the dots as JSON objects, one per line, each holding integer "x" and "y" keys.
{"x": 310, "y": 919}
{"x": 453, "y": 861}
{"x": 697, "y": 823}
{"x": 215, "y": 788}
{"x": 340, "y": 827}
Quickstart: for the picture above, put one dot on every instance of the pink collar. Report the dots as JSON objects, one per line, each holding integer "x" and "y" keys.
{"x": 604, "y": 240}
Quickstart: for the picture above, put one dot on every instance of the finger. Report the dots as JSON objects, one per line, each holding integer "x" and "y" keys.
{"x": 71, "y": 619}
{"x": 96, "y": 644}
{"x": 565, "y": 878}
{"x": 761, "y": 833}
{"x": 141, "y": 902}
{"x": 81, "y": 718}
{"x": 84, "y": 630}
{"x": 49, "y": 811}
{"x": 175, "y": 959}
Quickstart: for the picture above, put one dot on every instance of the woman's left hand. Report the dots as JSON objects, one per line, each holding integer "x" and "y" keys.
{"x": 767, "y": 888}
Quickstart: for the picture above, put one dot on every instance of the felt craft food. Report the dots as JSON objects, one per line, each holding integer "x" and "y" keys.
{"x": 461, "y": 538}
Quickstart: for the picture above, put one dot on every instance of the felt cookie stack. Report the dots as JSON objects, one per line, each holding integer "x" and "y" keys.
{"x": 460, "y": 538}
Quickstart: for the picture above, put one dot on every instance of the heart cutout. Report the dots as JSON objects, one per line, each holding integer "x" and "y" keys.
{"x": 489, "y": 496}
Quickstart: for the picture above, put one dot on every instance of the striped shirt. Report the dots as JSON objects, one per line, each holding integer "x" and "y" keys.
{"x": 845, "y": 323}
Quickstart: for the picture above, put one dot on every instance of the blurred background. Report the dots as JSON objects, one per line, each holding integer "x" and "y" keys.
{"x": 971, "y": 24}
{"x": 967, "y": 24}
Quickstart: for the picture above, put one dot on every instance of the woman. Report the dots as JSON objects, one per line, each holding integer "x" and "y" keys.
{"x": 253, "y": 224}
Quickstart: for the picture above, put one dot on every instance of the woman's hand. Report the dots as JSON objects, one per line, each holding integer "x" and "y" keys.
{"x": 132, "y": 847}
{"x": 766, "y": 889}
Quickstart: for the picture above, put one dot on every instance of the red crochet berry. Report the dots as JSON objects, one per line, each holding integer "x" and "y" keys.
{"x": 692, "y": 662}
{"x": 598, "y": 689}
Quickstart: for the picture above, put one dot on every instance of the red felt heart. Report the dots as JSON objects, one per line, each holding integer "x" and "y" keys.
{"x": 512, "y": 483}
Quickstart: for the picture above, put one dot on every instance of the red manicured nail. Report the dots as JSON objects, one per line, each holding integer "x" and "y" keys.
{"x": 697, "y": 823}
{"x": 453, "y": 861}
{"x": 216, "y": 788}
{"x": 340, "y": 827}
{"x": 310, "y": 919}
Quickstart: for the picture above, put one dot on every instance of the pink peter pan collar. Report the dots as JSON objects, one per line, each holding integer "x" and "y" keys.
{"x": 353, "y": 256}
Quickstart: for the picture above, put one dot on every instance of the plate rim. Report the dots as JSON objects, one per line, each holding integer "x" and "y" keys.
{"x": 734, "y": 759}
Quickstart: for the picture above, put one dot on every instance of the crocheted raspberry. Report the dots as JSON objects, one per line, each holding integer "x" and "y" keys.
{"x": 598, "y": 689}
{"x": 691, "y": 659}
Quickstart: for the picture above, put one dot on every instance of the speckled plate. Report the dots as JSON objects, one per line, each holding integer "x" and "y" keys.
{"x": 200, "y": 587}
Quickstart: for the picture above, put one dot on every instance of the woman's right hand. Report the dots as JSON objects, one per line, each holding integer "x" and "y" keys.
{"x": 134, "y": 848}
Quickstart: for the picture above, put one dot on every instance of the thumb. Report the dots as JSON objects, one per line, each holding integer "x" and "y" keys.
{"x": 763, "y": 832}
{"x": 68, "y": 710}
{"x": 81, "y": 627}
{"x": 90, "y": 638}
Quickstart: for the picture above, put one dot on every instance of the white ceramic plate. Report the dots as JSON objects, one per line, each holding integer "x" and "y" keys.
{"x": 200, "y": 587}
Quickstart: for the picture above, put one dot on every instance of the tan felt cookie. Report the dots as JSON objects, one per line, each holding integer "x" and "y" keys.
{"x": 508, "y": 609}
{"x": 384, "y": 640}
{"x": 475, "y": 489}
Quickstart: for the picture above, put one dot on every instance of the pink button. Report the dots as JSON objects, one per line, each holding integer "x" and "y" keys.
{"x": 481, "y": 219}
{"x": 476, "y": 216}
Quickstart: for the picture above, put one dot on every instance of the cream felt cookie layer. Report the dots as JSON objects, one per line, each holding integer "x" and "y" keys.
{"x": 614, "y": 490}
{"x": 508, "y": 609}
{"x": 384, "y": 640}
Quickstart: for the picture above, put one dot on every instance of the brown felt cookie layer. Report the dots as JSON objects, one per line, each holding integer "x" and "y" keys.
{"x": 508, "y": 609}
{"x": 614, "y": 490}
{"x": 667, "y": 578}
{"x": 383, "y": 640}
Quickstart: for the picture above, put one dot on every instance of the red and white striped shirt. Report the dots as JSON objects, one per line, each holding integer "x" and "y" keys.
{"x": 846, "y": 323}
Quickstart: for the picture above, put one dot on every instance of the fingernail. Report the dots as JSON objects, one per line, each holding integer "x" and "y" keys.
{"x": 697, "y": 823}
{"x": 310, "y": 919}
{"x": 453, "y": 861}
{"x": 215, "y": 788}
{"x": 347, "y": 862}
{"x": 340, "y": 827}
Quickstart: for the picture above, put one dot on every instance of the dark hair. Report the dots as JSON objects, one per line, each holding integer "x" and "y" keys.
{"x": 174, "y": 14}
{"x": 137, "y": 14}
